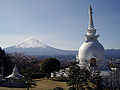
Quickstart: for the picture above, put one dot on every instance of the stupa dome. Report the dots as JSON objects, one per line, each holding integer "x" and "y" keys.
{"x": 91, "y": 49}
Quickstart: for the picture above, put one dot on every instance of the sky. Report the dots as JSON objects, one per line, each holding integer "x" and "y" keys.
{"x": 59, "y": 23}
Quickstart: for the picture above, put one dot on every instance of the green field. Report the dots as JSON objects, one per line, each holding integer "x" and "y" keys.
{"x": 41, "y": 84}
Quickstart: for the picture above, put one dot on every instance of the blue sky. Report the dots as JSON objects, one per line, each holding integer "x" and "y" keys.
{"x": 59, "y": 23}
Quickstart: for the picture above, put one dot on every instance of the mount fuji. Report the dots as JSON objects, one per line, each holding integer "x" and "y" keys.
{"x": 32, "y": 46}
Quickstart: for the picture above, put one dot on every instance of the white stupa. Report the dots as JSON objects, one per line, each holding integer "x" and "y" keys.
{"x": 15, "y": 74}
{"x": 91, "y": 53}
{"x": 15, "y": 79}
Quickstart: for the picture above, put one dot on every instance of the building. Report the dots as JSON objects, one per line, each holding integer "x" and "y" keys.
{"x": 62, "y": 73}
{"x": 91, "y": 53}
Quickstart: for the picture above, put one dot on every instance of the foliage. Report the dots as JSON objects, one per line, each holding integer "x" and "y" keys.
{"x": 112, "y": 81}
{"x": 27, "y": 74}
{"x": 58, "y": 88}
{"x": 6, "y": 63}
{"x": 23, "y": 61}
{"x": 27, "y": 78}
{"x": 97, "y": 79}
{"x": 67, "y": 64}
{"x": 77, "y": 77}
{"x": 71, "y": 88}
{"x": 37, "y": 75}
{"x": 50, "y": 65}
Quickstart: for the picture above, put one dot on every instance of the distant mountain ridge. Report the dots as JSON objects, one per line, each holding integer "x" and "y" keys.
{"x": 112, "y": 53}
{"x": 32, "y": 46}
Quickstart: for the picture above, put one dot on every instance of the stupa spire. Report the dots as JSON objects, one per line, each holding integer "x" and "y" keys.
{"x": 91, "y": 32}
{"x": 90, "y": 25}
{"x": 15, "y": 70}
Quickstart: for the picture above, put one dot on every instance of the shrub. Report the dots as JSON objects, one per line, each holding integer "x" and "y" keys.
{"x": 37, "y": 75}
{"x": 58, "y": 88}
{"x": 71, "y": 88}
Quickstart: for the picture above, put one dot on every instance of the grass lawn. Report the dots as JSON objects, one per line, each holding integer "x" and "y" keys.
{"x": 42, "y": 84}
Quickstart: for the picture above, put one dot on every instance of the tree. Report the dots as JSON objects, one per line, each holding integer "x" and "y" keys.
{"x": 27, "y": 74}
{"x": 50, "y": 65}
{"x": 67, "y": 64}
{"x": 113, "y": 79}
{"x": 78, "y": 78}
{"x": 97, "y": 80}
{"x": 6, "y": 63}
{"x": 23, "y": 61}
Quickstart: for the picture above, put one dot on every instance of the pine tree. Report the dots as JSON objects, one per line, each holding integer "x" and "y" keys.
{"x": 6, "y": 63}
{"x": 77, "y": 77}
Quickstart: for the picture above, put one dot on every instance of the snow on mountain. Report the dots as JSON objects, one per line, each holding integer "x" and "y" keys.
{"x": 31, "y": 43}
{"x": 32, "y": 46}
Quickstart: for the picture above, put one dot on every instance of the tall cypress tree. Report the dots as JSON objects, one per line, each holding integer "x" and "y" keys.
{"x": 6, "y": 63}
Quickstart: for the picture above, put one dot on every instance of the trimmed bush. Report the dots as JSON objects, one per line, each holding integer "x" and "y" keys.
{"x": 58, "y": 88}
{"x": 71, "y": 88}
{"x": 37, "y": 75}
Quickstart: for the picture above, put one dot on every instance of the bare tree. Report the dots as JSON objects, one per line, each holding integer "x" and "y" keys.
{"x": 24, "y": 61}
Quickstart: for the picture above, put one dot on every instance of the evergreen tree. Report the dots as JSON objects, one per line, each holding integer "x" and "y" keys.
{"x": 50, "y": 65}
{"x": 97, "y": 79}
{"x": 77, "y": 77}
{"x": 6, "y": 63}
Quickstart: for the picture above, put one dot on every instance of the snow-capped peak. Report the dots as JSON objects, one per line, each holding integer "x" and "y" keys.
{"x": 31, "y": 43}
